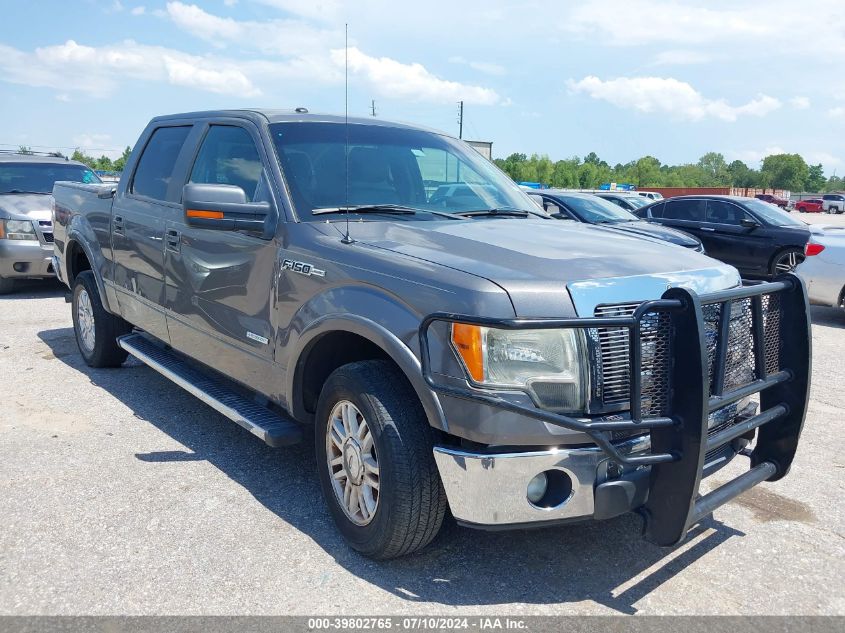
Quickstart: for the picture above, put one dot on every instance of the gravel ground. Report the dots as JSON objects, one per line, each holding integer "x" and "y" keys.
{"x": 122, "y": 494}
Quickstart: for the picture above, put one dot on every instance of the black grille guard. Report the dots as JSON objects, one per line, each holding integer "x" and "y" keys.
{"x": 679, "y": 440}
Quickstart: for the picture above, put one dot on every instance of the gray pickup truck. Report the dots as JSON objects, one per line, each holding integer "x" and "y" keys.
{"x": 393, "y": 292}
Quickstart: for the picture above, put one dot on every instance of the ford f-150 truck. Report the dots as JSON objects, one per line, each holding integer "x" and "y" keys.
{"x": 391, "y": 289}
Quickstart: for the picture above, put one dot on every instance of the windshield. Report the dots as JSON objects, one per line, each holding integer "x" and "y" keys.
{"x": 772, "y": 214}
{"x": 40, "y": 177}
{"x": 597, "y": 210}
{"x": 419, "y": 170}
{"x": 638, "y": 202}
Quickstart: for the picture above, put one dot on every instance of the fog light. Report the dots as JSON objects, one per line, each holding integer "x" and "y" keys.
{"x": 537, "y": 488}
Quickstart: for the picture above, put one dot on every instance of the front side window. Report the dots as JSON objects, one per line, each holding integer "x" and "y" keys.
{"x": 32, "y": 177}
{"x": 692, "y": 210}
{"x": 155, "y": 167}
{"x": 332, "y": 165}
{"x": 228, "y": 156}
{"x": 771, "y": 214}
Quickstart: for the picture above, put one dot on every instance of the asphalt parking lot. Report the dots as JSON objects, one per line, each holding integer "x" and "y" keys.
{"x": 122, "y": 494}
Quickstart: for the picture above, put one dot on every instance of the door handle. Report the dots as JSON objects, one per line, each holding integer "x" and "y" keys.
{"x": 173, "y": 240}
{"x": 118, "y": 225}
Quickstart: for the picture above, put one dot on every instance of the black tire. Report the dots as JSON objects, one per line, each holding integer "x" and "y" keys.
{"x": 783, "y": 258}
{"x": 411, "y": 500}
{"x": 6, "y": 285}
{"x": 105, "y": 351}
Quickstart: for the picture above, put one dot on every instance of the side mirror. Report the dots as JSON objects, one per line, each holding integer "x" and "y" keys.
{"x": 748, "y": 223}
{"x": 223, "y": 208}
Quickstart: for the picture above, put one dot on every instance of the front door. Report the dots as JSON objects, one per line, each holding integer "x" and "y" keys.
{"x": 731, "y": 242}
{"x": 138, "y": 218}
{"x": 220, "y": 283}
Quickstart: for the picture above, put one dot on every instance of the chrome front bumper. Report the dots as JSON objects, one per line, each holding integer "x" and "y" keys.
{"x": 25, "y": 258}
{"x": 491, "y": 489}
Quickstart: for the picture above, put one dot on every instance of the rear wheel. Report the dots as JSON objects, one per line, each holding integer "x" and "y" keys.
{"x": 96, "y": 330}
{"x": 787, "y": 261}
{"x": 375, "y": 461}
{"x": 6, "y": 285}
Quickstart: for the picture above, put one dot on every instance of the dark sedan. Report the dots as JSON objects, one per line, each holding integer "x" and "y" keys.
{"x": 590, "y": 209}
{"x": 754, "y": 236}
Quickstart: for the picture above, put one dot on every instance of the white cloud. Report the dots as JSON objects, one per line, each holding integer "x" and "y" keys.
{"x": 837, "y": 113}
{"x": 97, "y": 144}
{"x": 139, "y": 10}
{"x": 98, "y": 70}
{"x": 799, "y": 103}
{"x": 680, "y": 57}
{"x": 669, "y": 96}
{"x": 394, "y": 79}
{"x": 632, "y": 22}
{"x": 63, "y": 97}
{"x": 313, "y": 9}
{"x": 483, "y": 67}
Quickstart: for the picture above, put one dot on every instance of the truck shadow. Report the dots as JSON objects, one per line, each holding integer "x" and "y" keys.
{"x": 831, "y": 317}
{"x": 607, "y": 563}
{"x": 35, "y": 289}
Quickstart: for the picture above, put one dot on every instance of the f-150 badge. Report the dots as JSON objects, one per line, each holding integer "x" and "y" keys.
{"x": 302, "y": 268}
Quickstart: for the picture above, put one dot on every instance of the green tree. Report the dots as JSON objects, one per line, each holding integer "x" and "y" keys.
{"x": 741, "y": 175}
{"x": 24, "y": 149}
{"x": 647, "y": 172}
{"x": 82, "y": 157}
{"x": 715, "y": 169}
{"x": 120, "y": 163}
{"x": 785, "y": 171}
{"x": 815, "y": 178}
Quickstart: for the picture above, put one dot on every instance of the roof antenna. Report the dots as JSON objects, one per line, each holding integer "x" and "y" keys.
{"x": 346, "y": 239}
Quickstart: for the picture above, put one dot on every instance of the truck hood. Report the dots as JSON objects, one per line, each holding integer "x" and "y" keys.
{"x": 644, "y": 229}
{"x": 539, "y": 263}
{"x": 32, "y": 206}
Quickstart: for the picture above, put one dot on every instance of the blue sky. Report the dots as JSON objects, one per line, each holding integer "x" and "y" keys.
{"x": 623, "y": 78}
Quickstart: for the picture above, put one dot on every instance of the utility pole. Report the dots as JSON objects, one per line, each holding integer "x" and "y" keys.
{"x": 373, "y": 107}
{"x": 461, "y": 120}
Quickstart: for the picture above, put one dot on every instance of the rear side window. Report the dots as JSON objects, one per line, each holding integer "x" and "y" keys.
{"x": 228, "y": 156}
{"x": 155, "y": 167}
{"x": 692, "y": 210}
{"x": 724, "y": 212}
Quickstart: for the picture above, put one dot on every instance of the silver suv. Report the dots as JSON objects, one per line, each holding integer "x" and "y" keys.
{"x": 833, "y": 203}
{"x": 26, "y": 225}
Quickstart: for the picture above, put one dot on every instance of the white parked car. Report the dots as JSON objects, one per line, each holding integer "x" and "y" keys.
{"x": 823, "y": 270}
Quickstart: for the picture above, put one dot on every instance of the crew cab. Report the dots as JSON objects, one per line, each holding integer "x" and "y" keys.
{"x": 26, "y": 227}
{"x": 833, "y": 203}
{"x": 391, "y": 290}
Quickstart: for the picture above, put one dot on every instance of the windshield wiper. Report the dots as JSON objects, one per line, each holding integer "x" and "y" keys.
{"x": 499, "y": 211}
{"x": 395, "y": 209}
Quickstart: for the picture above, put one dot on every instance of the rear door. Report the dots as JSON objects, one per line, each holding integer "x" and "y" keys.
{"x": 220, "y": 283}
{"x": 138, "y": 218}
{"x": 743, "y": 247}
{"x": 686, "y": 214}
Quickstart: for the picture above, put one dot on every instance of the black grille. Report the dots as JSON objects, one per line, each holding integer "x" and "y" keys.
{"x": 611, "y": 383}
{"x": 48, "y": 237}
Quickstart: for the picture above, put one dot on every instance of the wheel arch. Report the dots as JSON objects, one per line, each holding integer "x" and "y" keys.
{"x": 78, "y": 256}
{"x": 336, "y": 340}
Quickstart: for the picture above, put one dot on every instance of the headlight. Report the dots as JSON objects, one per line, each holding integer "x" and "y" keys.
{"x": 17, "y": 230}
{"x": 546, "y": 364}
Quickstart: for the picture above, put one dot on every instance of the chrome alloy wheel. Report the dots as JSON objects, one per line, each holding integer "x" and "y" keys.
{"x": 788, "y": 262}
{"x": 352, "y": 462}
{"x": 85, "y": 320}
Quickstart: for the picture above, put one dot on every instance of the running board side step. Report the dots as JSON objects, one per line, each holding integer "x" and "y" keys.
{"x": 274, "y": 429}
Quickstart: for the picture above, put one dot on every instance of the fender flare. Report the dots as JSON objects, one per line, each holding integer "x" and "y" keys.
{"x": 76, "y": 239}
{"x": 377, "y": 334}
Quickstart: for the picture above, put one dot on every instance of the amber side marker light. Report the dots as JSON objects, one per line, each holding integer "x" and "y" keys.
{"x": 813, "y": 249}
{"x": 467, "y": 342}
{"x": 210, "y": 215}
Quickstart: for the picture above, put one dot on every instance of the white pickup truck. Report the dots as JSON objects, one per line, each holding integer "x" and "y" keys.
{"x": 833, "y": 203}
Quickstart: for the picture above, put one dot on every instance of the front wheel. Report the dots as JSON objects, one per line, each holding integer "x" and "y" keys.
{"x": 375, "y": 461}
{"x": 96, "y": 330}
{"x": 786, "y": 262}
